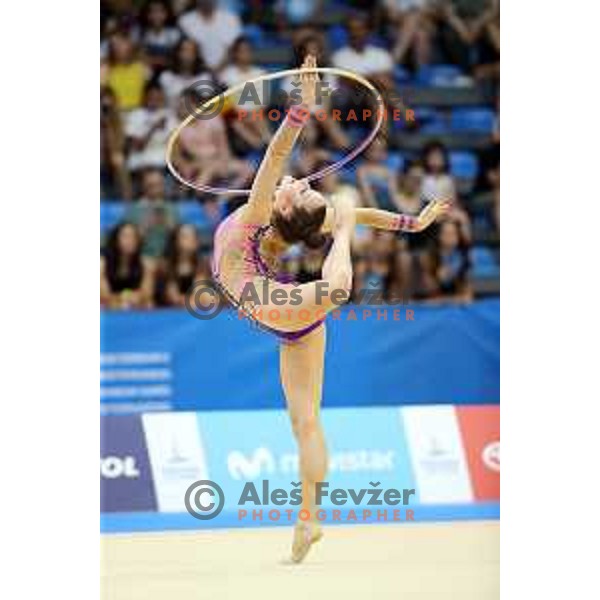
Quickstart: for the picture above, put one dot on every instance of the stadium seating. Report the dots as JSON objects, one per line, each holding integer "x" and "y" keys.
{"x": 478, "y": 120}
{"x": 438, "y": 75}
{"x": 463, "y": 164}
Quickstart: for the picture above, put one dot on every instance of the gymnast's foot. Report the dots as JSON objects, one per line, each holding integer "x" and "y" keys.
{"x": 305, "y": 535}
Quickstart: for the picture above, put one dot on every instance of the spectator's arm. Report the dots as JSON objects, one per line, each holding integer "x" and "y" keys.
{"x": 146, "y": 291}
{"x": 364, "y": 187}
{"x": 173, "y": 295}
{"x": 139, "y": 142}
{"x": 467, "y": 34}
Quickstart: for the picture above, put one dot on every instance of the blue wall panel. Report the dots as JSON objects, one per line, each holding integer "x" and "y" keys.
{"x": 448, "y": 354}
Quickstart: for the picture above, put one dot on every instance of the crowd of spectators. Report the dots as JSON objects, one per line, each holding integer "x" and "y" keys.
{"x": 154, "y": 51}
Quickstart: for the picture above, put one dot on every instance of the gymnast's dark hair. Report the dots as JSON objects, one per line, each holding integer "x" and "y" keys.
{"x": 302, "y": 225}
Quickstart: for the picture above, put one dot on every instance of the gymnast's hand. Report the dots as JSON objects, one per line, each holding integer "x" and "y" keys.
{"x": 434, "y": 210}
{"x": 309, "y": 81}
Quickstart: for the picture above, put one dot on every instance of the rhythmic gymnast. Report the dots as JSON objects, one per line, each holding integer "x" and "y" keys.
{"x": 280, "y": 212}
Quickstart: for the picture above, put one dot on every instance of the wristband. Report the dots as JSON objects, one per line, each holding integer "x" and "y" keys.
{"x": 405, "y": 223}
{"x": 297, "y": 116}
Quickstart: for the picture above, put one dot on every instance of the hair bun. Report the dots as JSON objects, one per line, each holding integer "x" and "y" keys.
{"x": 315, "y": 240}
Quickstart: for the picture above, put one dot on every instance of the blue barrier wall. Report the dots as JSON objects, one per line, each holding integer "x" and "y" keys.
{"x": 166, "y": 359}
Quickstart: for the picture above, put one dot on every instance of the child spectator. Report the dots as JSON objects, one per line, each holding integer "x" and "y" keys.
{"x": 438, "y": 183}
{"x": 408, "y": 198}
{"x": 376, "y": 180}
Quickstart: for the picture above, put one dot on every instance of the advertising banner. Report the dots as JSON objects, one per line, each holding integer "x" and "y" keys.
{"x": 125, "y": 473}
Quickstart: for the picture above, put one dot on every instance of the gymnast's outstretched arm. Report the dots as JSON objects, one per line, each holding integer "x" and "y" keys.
{"x": 271, "y": 169}
{"x": 384, "y": 219}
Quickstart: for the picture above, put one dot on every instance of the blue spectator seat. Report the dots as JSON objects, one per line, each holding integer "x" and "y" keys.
{"x": 255, "y": 35}
{"x": 395, "y": 161}
{"x": 111, "y": 213}
{"x": 476, "y": 120}
{"x": 430, "y": 120}
{"x": 337, "y": 37}
{"x": 463, "y": 164}
{"x": 401, "y": 75}
{"x": 438, "y": 75}
{"x": 193, "y": 213}
{"x": 484, "y": 263}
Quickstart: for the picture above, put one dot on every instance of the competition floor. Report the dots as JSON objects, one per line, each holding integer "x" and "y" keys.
{"x": 458, "y": 560}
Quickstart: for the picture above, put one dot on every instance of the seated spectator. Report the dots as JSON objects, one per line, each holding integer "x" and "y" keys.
{"x": 368, "y": 60}
{"x": 115, "y": 178}
{"x": 408, "y": 198}
{"x": 126, "y": 277}
{"x": 414, "y": 29}
{"x": 376, "y": 180}
{"x": 159, "y": 35}
{"x": 241, "y": 66}
{"x": 124, "y": 73}
{"x": 447, "y": 264}
{"x": 213, "y": 29}
{"x": 438, "y": 183}
{"x": 361, "y": 56}
{"x": 154, "y": 217}
{"x": 203, "y": 155}
{"x": 253, "y": 132}
{"x": 148, "y": 129}
{"x": 183, "y": 264}
{"x": 187, "y": 68}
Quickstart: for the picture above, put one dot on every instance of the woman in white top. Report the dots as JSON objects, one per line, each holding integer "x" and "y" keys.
{"x": 188, "y": 69}
{"x": 254, "y": 132}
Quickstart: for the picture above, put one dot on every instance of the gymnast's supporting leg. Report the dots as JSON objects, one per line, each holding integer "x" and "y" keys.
{"x": 301, "y": 365}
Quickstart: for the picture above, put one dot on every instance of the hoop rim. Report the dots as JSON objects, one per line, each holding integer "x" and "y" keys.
{"x": 268, "y": 77}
